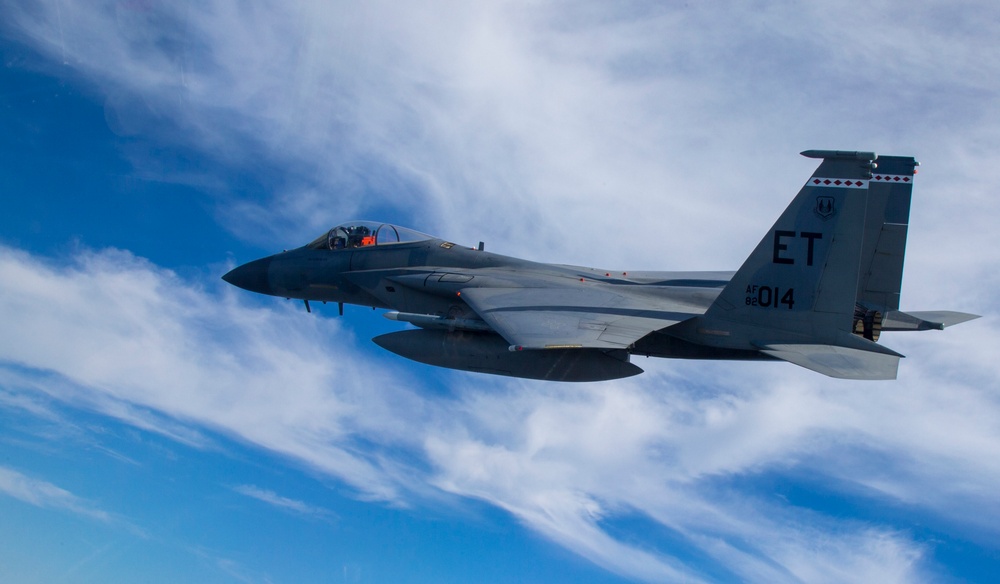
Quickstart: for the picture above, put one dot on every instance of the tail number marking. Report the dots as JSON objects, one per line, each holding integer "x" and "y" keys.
{"x": 770, "y": 296}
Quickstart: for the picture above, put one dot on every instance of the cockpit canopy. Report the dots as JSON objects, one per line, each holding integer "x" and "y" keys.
{"x": 355, "y": 234}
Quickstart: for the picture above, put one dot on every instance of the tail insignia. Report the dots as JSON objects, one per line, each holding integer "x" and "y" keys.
{"x": 825, "y": 207}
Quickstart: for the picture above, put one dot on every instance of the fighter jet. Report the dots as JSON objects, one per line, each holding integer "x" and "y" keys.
{"x": 818, "y": 291}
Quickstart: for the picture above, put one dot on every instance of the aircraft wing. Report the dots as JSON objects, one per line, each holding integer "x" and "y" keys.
{"x": 586, "y": 317}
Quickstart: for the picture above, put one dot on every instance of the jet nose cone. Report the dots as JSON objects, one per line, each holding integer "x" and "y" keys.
{"x": 252, "y": 276}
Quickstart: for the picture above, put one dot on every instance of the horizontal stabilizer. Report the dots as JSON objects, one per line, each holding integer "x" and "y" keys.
{"x": 839, "y": 362}
{"x": 924, "y": 321}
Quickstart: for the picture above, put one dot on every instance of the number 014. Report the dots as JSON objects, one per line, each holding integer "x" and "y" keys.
{"x": 772, "y": 297}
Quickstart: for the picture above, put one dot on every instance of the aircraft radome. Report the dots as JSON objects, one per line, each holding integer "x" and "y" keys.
{"x": 818, "y": 291}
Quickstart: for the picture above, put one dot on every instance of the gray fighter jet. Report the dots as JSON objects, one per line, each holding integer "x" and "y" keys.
{"x": 818, "y": 290}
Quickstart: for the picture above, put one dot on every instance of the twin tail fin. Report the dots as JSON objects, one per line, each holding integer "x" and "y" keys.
{"x": 825, "y": 280}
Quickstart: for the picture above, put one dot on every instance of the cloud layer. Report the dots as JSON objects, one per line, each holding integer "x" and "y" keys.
{"x": 637, "y": 119}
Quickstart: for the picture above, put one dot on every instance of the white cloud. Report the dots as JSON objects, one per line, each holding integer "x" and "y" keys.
{"x": 44, "y": 494}
{"x": 667, "y": 132}
{"x": 284, "y": 503}
{"x": 122, "y": 331}
{"x": 573, "y": 463}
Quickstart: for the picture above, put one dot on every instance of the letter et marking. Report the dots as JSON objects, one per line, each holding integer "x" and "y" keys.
{"x": 781, "y": 246}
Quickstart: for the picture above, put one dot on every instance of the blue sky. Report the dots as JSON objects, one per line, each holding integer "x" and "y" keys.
{"x": 156, "y": 423}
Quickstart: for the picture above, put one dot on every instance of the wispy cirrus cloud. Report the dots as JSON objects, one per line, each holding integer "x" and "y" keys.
{"x": 44, "y": 494}
{"x": 125, "y": 330}
{"x": 285, "y": 503}
{"x": 684, "y": 467}
{"x": 447, "y": 116}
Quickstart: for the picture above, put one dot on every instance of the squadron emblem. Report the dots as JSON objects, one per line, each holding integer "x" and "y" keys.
{"x": 825, "y": 207}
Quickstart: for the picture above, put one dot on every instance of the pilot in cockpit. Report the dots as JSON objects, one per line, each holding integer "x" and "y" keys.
{"x": 359, "y": 236}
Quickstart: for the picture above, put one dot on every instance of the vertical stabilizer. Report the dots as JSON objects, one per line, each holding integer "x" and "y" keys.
{"x": 795, "y": 297}
{"x": 886, "y": 225}
{"x": 803, "y": 276}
